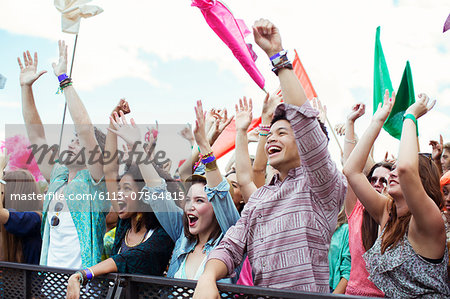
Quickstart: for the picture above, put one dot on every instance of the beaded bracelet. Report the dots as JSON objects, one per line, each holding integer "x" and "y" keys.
{"x": 263, "y": 134}
{"x": 264, "y": 128}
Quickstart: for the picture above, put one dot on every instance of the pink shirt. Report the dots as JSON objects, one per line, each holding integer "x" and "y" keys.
{"x": 286, "y": 226}
{"x": 359, "y": 284}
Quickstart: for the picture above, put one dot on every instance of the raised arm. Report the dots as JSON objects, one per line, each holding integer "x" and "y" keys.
{"x": 80, "y": 117}
{"x": 111, "y": 160}
{"x": 268, "y": 37}
{"x": 260, "y": 164}
{"x": 33, "y": 123}
{"x": 426, "y": 226}
{"x": 374, "y": 202}
{"x": 213, "y": 176}
{"x": 436, "y": 154}
{"x": 243, "y": 163}
{"x": 358, "y": 110}
{"x": 167, "y": 212}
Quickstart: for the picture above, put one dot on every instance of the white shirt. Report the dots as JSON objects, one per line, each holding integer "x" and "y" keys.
{"x": 64, "y": 248}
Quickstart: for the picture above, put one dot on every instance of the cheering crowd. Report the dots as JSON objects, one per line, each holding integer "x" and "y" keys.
{"x": 286, "y": 218}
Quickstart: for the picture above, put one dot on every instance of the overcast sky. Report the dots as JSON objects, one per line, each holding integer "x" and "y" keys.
{"x": 162, "y": 56}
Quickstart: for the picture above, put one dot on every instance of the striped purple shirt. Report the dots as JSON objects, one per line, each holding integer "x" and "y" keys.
{"x": 286, "y": 226}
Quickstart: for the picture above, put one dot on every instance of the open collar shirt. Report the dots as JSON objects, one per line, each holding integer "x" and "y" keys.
{"x": 286, "y": 226}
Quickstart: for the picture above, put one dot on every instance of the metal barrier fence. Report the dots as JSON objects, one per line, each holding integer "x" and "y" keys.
{"x": 30, "y": 281}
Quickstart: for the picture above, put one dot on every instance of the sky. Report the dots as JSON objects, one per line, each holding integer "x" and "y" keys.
{"x": 162, "y": 57}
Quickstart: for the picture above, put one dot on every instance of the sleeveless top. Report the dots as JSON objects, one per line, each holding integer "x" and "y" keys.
{"x": 402, "y": 273}
{"x": 358, "y": 283}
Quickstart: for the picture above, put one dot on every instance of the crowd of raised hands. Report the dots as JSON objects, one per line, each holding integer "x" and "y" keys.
{"x": 282, "y": 216}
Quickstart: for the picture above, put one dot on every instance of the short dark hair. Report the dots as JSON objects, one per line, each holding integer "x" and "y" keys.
{"x": 280, "y": 114}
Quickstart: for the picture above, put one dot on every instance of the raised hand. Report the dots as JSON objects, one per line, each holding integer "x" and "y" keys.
{"x": 243, "y": 114}
{"x": 221, "y": 121}
{"x": 199, "y": 131}
{"x": 421, "y": 106}
{"x": 121, "y": 106}
{"x": 358, "y": 110}
{"x": 61, "y": 67}
{"x": 317, "y": 104}
{"x": 340, "y": 129}
{"x": 437, "y": 148}
{"x": 269, "y": 105}
{"x": 186, "y": 133}
{"x": 382, "y": 112}
{"x": 267, "y": 36}
{"x": 130, "y": 133}
{"x": 28, "y": 73}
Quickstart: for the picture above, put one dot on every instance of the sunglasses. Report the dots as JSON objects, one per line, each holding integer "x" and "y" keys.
{"x": 374, "y": 180}
{"x": 55, "y": 219}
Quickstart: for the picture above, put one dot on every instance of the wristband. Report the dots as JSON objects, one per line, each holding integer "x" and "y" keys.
{"x": 80, "y": 280}
{"x": 279, "y": 58}
{"x": 88, "y": 274}
{"x": 2, "y": 182}
{"x": 263, "y": 134}
{"x": 92, "y": 272}
{"x": 350, "y": 141}
{"x": 264, "y": 128}
{"x": 62, "y": 77}
{"x": 287, "y": 65}
{"x": 414, "y": 119}
{"x": 211, "y": 166}
{"x": 208, "y": 160}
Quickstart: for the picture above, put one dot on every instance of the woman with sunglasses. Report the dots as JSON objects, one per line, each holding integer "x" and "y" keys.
{"x": 362, "y": 228}
{"x": 141, "y": 245}
{"x": 409, "y": 258}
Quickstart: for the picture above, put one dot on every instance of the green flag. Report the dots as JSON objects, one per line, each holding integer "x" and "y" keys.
{"x": 403, "y": 99}
{"x": 405, "y": 95}
{"x": 381, "y": 79}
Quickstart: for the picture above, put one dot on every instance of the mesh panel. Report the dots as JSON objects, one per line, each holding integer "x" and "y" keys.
{"x": 45, "y": 285}
{"x": 153, "y": 291}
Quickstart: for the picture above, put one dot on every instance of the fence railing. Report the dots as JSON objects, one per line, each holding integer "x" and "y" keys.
{"x": 31, "y": 281}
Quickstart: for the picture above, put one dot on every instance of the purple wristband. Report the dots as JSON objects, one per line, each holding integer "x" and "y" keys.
{"x": 208, "y": 160}
{"x": 62, "y": 77}
{"x": 88, "y": 274}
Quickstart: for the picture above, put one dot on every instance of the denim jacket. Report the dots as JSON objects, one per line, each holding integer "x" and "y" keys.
{"x": 171, "y": 218}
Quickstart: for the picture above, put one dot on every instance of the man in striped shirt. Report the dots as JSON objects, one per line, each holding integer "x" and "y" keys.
{"x": 286, "y": 226}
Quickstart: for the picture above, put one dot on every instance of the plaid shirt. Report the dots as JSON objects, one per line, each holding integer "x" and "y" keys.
{"x": 286, "y": 226}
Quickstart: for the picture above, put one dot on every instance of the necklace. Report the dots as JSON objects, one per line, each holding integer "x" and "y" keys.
{"x": 126, "y": 237}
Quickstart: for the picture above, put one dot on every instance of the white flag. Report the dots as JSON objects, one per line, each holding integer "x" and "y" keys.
{"x": 72, "y": 11}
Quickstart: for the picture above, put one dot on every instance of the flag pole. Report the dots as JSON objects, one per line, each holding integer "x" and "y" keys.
{"x": 334, "y": 134}
{"x": 65, "y": 102}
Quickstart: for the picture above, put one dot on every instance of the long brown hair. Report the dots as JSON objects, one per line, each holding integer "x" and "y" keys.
{"x": 396, "y": 227}
{"x": 369, "y": 227}
{"x": 18, "y": 182}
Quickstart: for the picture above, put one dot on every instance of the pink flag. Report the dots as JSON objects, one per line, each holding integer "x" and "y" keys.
{"x": 447, "y": 24}
{"x": 232, "y": 32}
